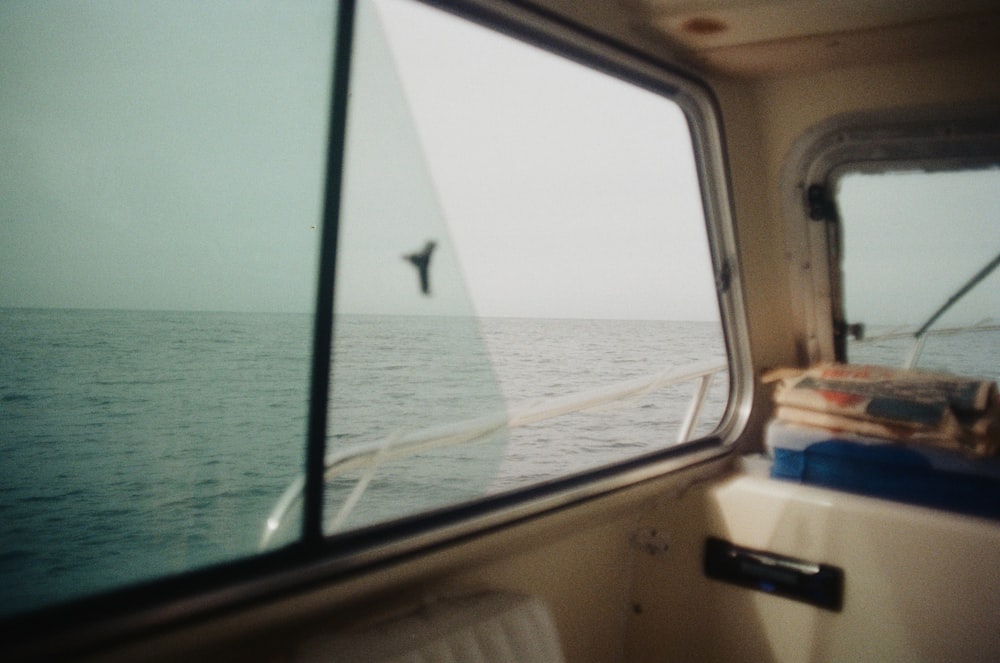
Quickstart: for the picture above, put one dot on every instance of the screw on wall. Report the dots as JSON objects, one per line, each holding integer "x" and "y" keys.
{"x": 652, "y": 541}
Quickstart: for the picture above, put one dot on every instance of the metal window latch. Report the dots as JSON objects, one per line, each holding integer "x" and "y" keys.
{"x": 724, "y": 277}
{"x": 821, "y": 208}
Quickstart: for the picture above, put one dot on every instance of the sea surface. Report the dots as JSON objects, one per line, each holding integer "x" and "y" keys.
{"x": 137, "y": 444}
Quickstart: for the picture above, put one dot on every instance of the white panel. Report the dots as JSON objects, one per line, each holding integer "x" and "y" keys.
{"x": 486, "y": 628}
{"x": 920, "y": 584}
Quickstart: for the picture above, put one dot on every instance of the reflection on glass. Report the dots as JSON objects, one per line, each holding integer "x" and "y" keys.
{"x": 408, "y": 357}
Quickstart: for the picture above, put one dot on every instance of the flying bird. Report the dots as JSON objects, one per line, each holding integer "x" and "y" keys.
{"x": 422, "y": 261}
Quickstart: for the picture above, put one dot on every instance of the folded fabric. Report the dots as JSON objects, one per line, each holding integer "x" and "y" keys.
{"x": 916, "y": 407}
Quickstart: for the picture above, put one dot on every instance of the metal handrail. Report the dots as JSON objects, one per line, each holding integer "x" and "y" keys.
{"x": 372, "y": 455}
{"x": 920, "y": 335}
{"x": 986, "y": 325}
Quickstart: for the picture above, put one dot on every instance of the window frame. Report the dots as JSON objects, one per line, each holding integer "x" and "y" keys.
{"x": 697, "y": 103}
{"x": 929, "y": 138}
{"x": 695, "y": 99}
{"x": 91, "y": 622}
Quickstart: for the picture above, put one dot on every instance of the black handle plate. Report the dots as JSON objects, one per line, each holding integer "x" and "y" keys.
{"x": 821, "y": 585}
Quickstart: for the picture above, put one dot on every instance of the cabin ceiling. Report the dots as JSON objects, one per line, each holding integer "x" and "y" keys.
{"x": 767, "y": 37}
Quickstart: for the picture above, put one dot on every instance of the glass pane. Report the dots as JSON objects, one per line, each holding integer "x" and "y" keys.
{"x": 570, "y": 263}
{"x": 912, "y": 242}
{"x": 408, "y": 357}
{"x": 163, "y": 170}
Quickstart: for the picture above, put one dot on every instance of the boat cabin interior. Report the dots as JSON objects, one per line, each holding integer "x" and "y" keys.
{"x": 636, "y": 200}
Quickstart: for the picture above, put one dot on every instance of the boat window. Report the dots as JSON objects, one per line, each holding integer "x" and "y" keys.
{"x": 161, "y": 191}
{"x": 524, "y": 286}
{"x": 920, "y": 256}
{"x": 515, "y": 248}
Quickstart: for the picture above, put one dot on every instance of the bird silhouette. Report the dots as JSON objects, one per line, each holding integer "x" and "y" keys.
{"x": 422, "y": 260}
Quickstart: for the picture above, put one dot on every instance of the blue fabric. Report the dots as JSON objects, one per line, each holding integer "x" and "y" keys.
{"x": 889, "y": 472}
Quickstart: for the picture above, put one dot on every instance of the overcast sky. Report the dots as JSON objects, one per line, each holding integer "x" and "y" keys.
{"x": 912, "y": 240}
{"x": 170, "y": 155}
{"x": 553, "y": 190}
{"x": 161, "y": 155}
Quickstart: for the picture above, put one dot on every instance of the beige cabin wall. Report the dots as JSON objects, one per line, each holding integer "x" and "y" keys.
{"x": 792, "y": 104}
{"x": 762, "y": 117}
{"x": 920, "y": 584}
{"x": 578, "y": 560}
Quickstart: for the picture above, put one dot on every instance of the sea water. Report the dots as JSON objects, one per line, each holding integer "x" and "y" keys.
{"x": 135, "y": 444}
{"x": 138, "y": 444}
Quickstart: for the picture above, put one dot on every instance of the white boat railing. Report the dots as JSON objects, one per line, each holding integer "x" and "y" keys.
{"x": 401, "y": 444}
{"x": 916, "y": 349}
{"x": 920, "y": 335}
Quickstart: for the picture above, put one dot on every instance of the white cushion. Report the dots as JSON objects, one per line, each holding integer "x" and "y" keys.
{"x": 484, "y": 628}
